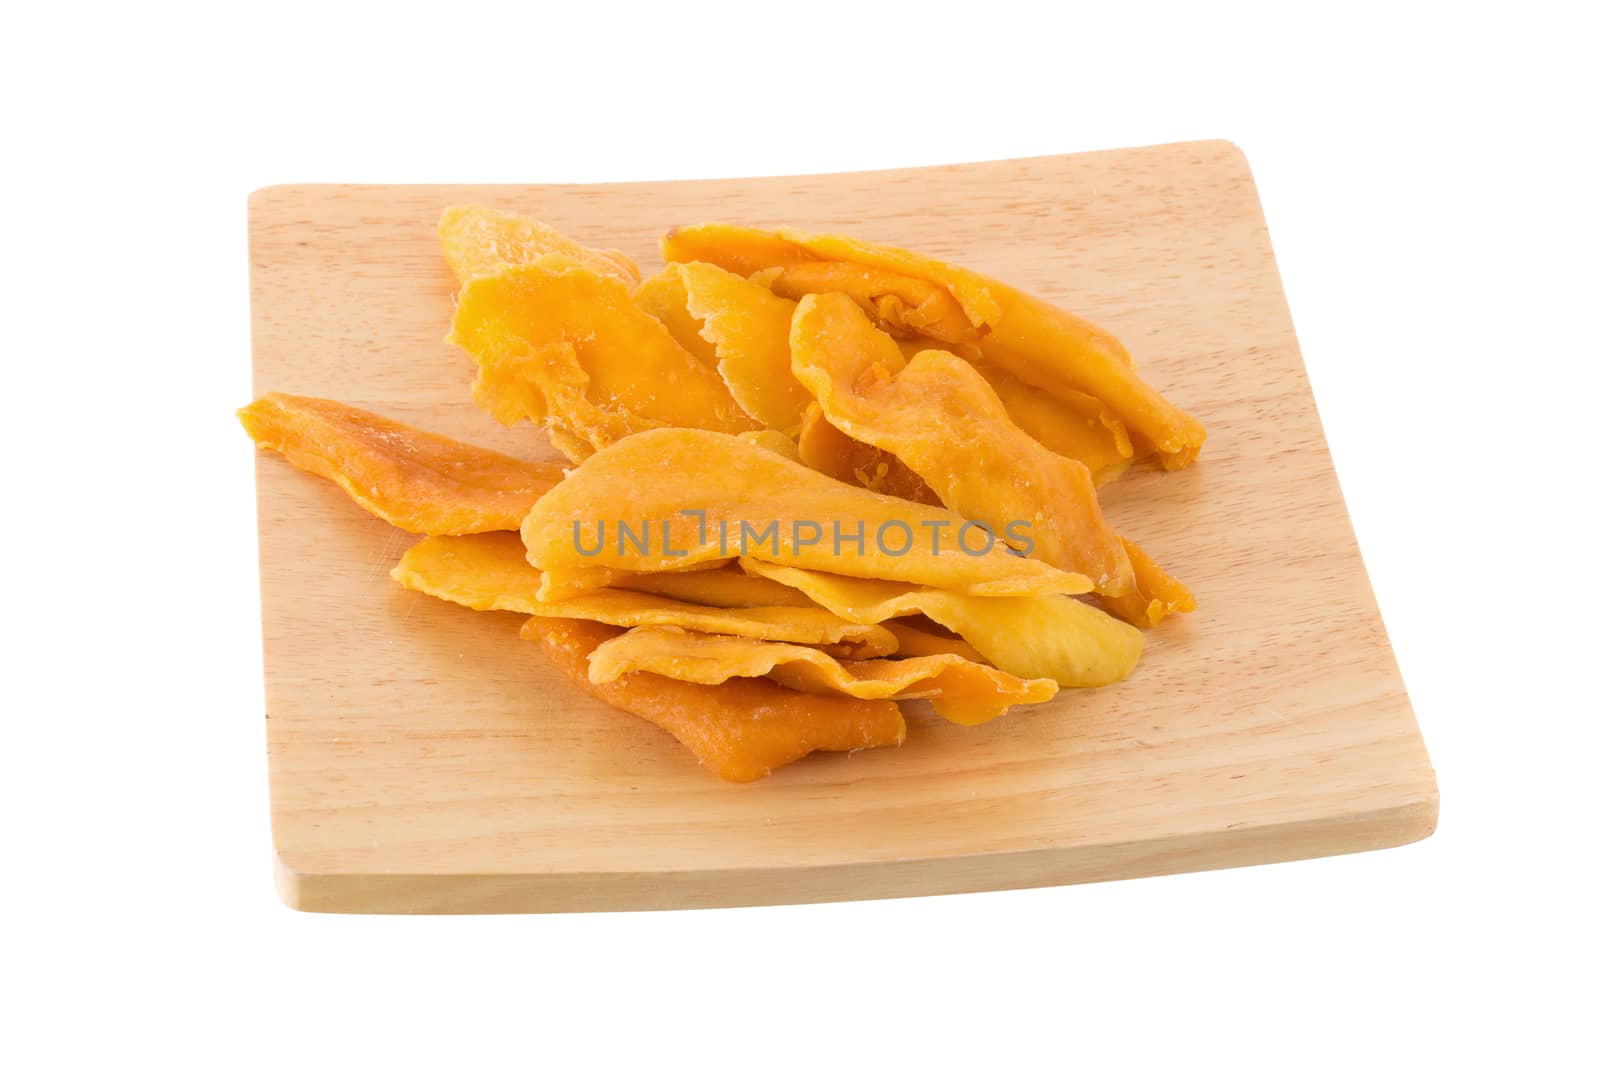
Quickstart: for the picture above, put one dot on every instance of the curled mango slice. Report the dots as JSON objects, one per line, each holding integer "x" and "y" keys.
{"x": 722, "y": 587}
{"x": 1155, "y": 594}
{"x": 917, "y": 641}
{"x": 747, "y": 327}
{"x": 662, "y": 296}
{"x": 746, "y": 500}
{"x": 960, "y": 690}
{"x": 824, "y": 447}
{"x": 1071, "y": 424}
{"x": 410, "y": 478}
{"x": 1053, "y": 637}
{"x": 902, "y": 305}
{"x": 1035, "y": 342}
{"x": 808, "y": 625}
{"x": 941, "y": 418}
{"x": 480, "y": 240}
{"x": 490, "y": 572}
{"x": 741, "y": 730}
{"x": 567, "y": 348}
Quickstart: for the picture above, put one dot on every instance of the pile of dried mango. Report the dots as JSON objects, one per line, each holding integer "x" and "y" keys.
{"x": 810, "y": 477}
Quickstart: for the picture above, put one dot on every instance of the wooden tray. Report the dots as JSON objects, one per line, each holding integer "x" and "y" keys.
{"x": 424, "y": 759}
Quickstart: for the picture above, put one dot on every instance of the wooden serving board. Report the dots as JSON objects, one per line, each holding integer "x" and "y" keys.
{"x": 424, "y": 759}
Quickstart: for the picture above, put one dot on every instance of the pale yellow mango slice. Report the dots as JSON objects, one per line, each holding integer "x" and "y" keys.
{"x": 696, "y": 496}
{"x": 1053, "y": 637}
{"x": 741, "y": 730}
{"x": 567, "y": 348}
{"x": 489, "y": 572}
{"x": 479, "y": 240}
{"x": 960, "y": 690}
{"x": 412, "y": 479}
{"x": 1035, "y": 342}
{"x": 939, "y": 417}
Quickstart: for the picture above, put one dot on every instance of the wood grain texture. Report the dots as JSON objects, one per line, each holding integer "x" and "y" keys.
{"x": 424, "y": 759}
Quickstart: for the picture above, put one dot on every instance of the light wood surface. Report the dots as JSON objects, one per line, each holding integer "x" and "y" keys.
{"x": 424, "y": 759}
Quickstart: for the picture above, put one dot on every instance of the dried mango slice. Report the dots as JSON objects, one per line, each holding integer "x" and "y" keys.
{"x": 941, "y": 418}
{"x": 773, "y": 441}
{"x": 1071, "y": 424}
{"x": 722, "y": 587}
{"x": 807, "y": 625}
{"x": 748, "y": 329}
{"x": 916, "y": 641}
{"x": 480, "y": 240}
{"x": 689, "y": 496}
{"x": 567, "y": 348}
{"x": 824, "y": 447}
{"x": 1035, "y": 342}
{"x": 484, "y": 572}
{"x": 1053, "y": 637}
{"x": 663, "y": 297}
{"x": 490, "y": 572}
{"x": 743, "y": 729}
{"x": 1156, "y": 594}
{"x": 410, "y": 478}
{"x": 960, "y": 690}
{"x": 902, "y": 305}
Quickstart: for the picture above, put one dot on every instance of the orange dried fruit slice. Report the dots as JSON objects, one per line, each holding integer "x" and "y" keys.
{"x": 742, "y": 729}
{"x": 480, "y": 240}
{"x": 1053, "y": 637}
{"x": 689, "y": 496}
{"x": 1035, "y": 342}
{"x": 412, "y": 479}
{"x": 915, "y": 640}
{"x": 960, "y": 690}
{"x": 567, "y": 348}
{"x": 1070, "y": 424}
{"x": 939, "y": 417}
{"x": 1155, "y": 594}
{"x": 490, "y": 572}
{"x": 826, "y": 448}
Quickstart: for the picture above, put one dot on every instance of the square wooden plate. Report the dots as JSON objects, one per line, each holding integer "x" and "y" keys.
{"x": 424, "y": 759}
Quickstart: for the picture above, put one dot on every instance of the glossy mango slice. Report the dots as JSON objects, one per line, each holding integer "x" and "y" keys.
{"x": 1035, "y": 342}
{"x": 938, "y": 415}
{"x": 741, "y": 730}
{"x": 690, "y": 496}
{"x": 1053, "y": 637}
{"x": 489, "y": 572}
{"x": 824, "y": 447}
{"x": 567, "y": 348}
{"x": 960, "y": 690}
{"x": 410, "y": 478}
{"x": 478, "y": 241}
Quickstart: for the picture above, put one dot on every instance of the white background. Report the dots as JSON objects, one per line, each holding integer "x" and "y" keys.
{"x": 1429, "y": 179}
